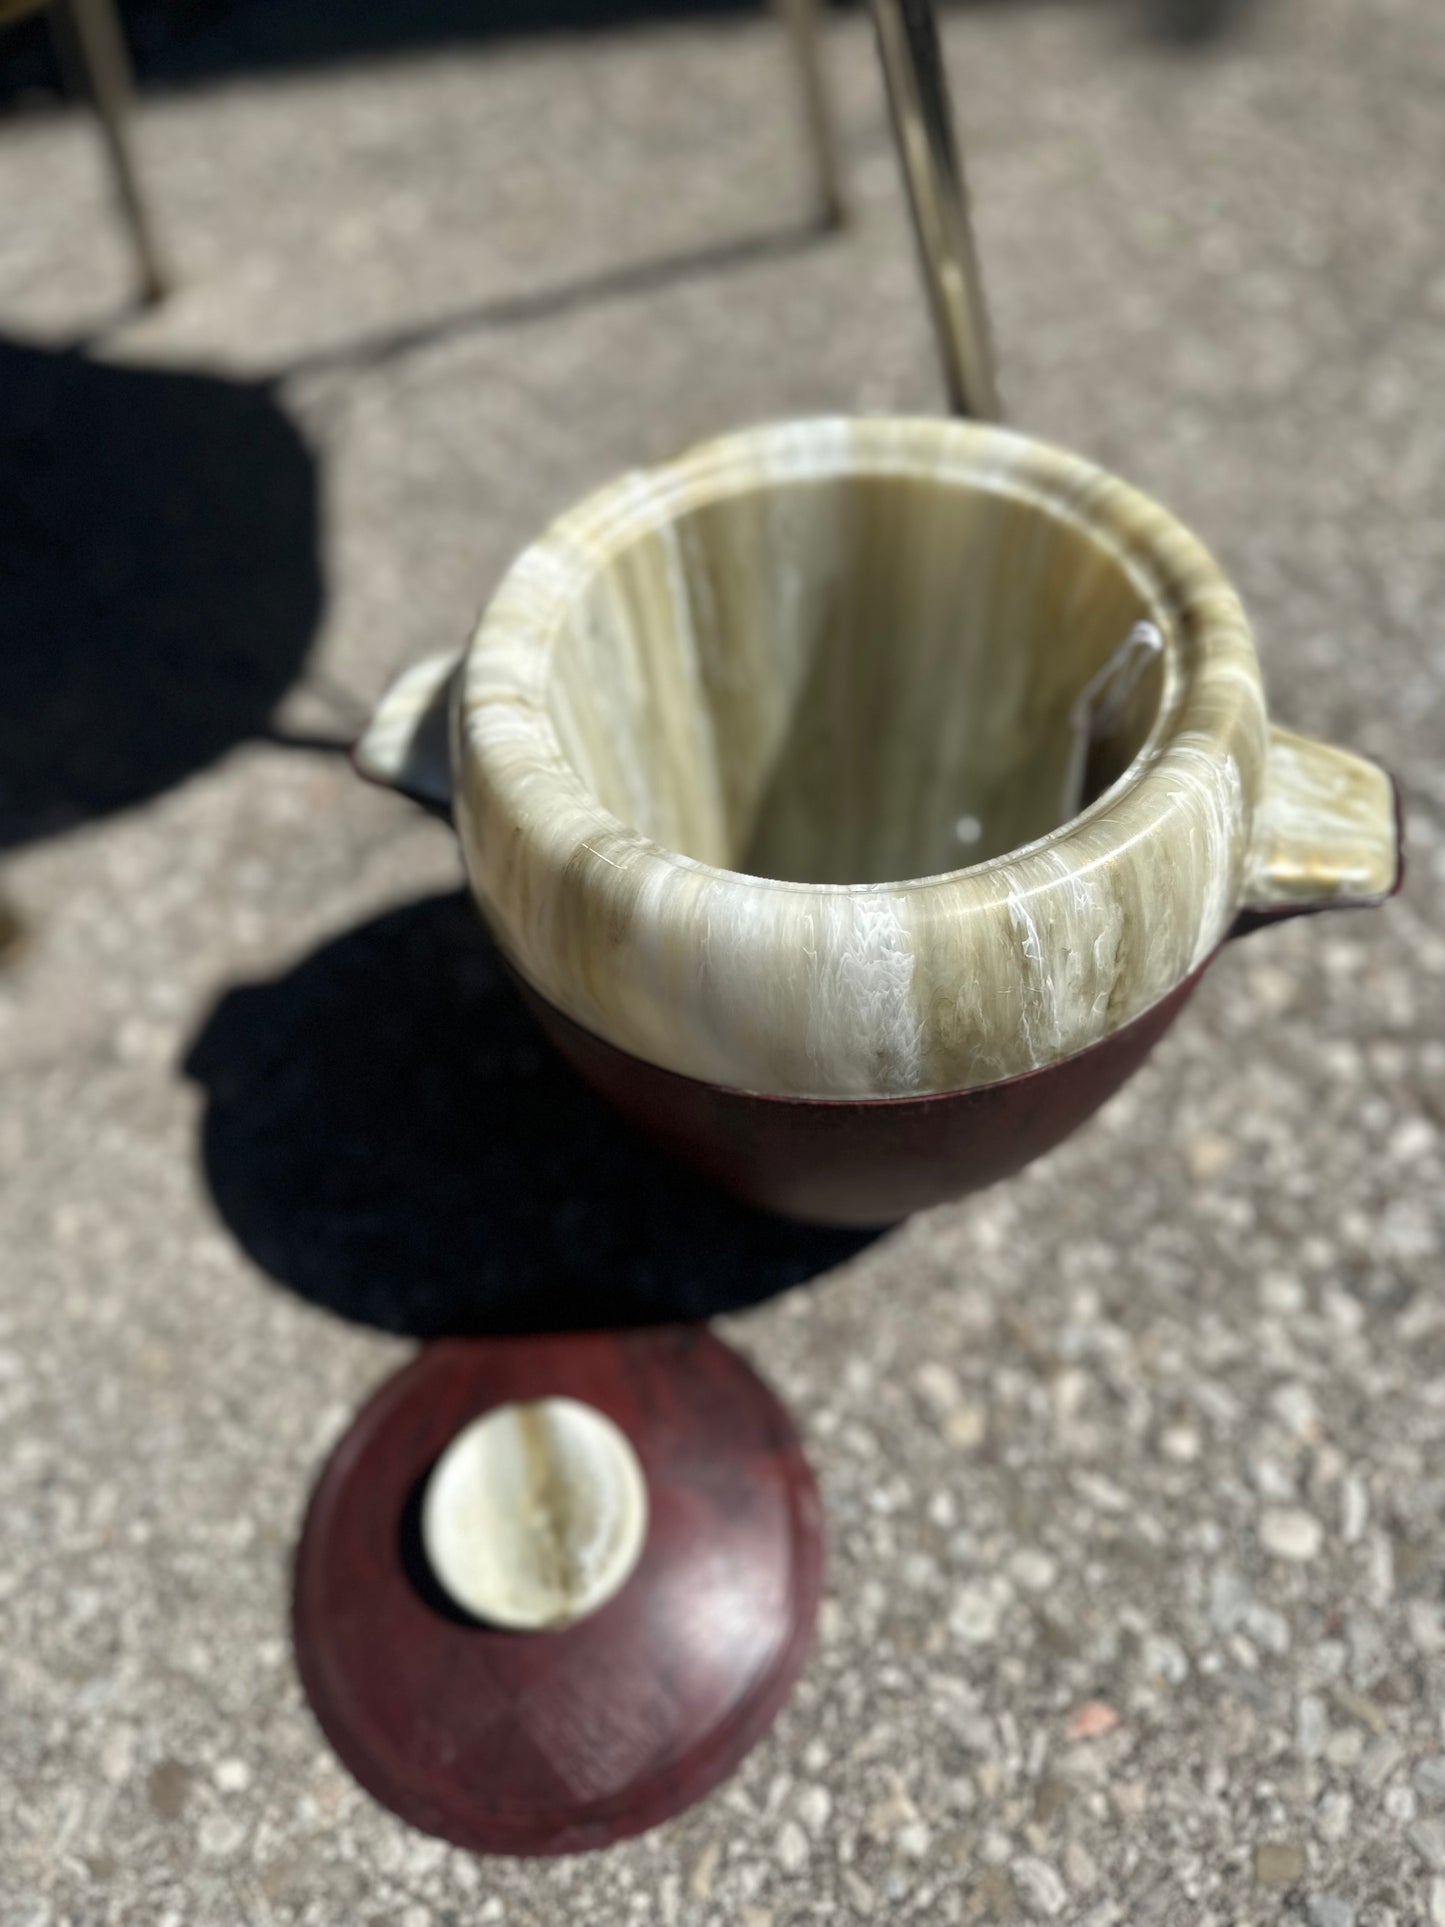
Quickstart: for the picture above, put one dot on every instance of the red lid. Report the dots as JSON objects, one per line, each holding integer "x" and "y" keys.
{"x": 557, "y": 1741}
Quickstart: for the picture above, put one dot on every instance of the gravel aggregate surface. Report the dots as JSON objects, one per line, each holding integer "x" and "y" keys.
{"x": 1135, "y": 1467}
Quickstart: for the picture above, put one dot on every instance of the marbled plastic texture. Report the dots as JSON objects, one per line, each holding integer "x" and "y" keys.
{"x": 809, "y": 764}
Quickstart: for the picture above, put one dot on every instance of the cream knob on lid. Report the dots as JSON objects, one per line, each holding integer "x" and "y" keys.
{"x": 535, "y": 1514}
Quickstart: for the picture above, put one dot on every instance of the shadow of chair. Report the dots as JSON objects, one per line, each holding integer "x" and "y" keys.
{"x": 161, "y": 580}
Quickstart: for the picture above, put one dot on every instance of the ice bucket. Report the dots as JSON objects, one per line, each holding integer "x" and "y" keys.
{"x": 857, "y": 801}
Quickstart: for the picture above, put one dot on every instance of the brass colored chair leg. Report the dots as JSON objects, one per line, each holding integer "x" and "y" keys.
{"x": 923, "y": 130}
{"x": 91, "y": 45}
{"x": 800, "y": 19}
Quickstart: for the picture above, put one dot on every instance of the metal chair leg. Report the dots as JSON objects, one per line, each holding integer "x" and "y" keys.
{"x": 90, "y": 42}
{"x": 800, "y": 20}
{"x": 923, "y": 130}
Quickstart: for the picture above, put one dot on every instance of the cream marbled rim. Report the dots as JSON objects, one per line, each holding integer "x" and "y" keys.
{"x": 889, "y": 989}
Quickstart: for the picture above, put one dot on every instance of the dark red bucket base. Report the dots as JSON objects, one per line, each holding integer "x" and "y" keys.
{"x": 861, "y": 1161}
{"x": 554, "y": 1742}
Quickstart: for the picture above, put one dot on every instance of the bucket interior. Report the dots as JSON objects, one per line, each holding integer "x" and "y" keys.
{"x": 857, "y": 680}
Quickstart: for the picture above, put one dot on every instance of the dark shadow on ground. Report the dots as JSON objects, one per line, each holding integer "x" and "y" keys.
{"x": 388, "y": 1134}
{"x": 160, "y": 579}
{"x": 626, "y": 281}
{"x": 1190, "y": 23}
{"x": 180, "y": 42}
